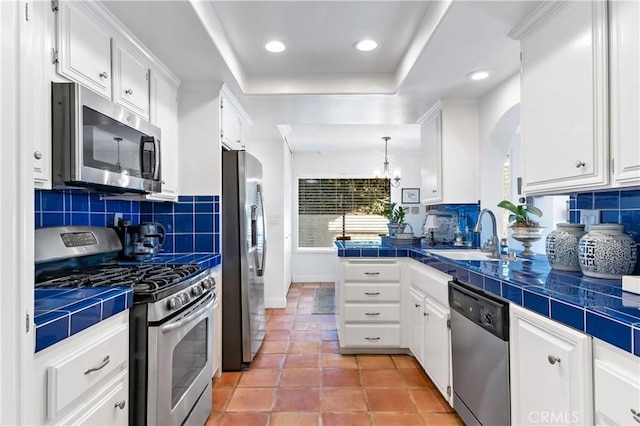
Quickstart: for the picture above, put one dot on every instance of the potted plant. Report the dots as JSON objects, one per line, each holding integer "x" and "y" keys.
{"x": 395, "y": 214}
{"x": 524, "y": 229}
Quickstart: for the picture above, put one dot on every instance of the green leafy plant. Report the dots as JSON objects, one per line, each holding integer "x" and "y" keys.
{"x": 394, "y": 213}
{"x": 520, "y": 214}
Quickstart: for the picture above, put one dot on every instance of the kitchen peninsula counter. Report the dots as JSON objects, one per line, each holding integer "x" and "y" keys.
{"x": 597, "y": 307}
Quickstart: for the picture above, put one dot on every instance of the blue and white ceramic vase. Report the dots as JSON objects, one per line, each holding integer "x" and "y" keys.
{"x": 562, "y": 246}
{"x": 607, "y": 252}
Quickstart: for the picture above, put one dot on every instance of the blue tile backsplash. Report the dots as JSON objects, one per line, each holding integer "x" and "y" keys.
{"x": 192, "y": 224}
{"x": 618, "y": 206}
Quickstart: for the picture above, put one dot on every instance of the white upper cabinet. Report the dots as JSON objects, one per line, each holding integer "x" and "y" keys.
{"x": 234, "y": 122}
{"x": 450, "y": 139}
{"x": 164, "y": 114}
{"x": 624, "y": 41}
{"x": 84, "y": 48}
{"x": 551, "y": 371}
{"x": 564, "y": 96}
{"x": 131, "y": 80}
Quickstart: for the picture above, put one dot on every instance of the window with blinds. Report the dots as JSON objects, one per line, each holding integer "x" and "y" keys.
{"x": 348, "y": 208}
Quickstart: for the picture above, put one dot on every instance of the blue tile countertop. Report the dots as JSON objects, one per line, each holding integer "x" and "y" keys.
{"x": 63, "y": 312}
{"x": 594, "y": 306}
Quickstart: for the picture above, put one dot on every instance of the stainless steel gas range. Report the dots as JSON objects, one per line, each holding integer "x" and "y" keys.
{"x": 171, "y": 321}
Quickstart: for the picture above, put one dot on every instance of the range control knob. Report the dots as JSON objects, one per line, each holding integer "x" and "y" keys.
{"x": 207, "y": 283}
{"x": 488, "y": 319}
{"x": 196, "y": 291}
{"x": 174, "y": 303}
{"x": 185, "y": 298}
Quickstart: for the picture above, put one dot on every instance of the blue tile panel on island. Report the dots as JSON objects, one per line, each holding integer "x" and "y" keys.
{"x": 594, "y": 306}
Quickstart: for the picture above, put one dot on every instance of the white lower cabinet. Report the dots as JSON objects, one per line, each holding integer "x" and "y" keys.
{"x": 430, "y": 335}
{"x": 551, "y": 371}
{"x": 369, "y": 297}
{"x": 616, "y": 385}
{"x": 84, "y": 379}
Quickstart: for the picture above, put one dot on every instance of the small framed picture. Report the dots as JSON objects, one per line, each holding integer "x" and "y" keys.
{"x": 410, "y": 195}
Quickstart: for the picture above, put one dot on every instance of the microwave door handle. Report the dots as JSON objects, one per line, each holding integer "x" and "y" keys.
{"x": 144, "y": 141}
{"x": 156, "y": 156}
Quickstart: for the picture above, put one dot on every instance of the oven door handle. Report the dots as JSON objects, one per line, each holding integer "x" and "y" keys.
{"x": 186, "y": 320}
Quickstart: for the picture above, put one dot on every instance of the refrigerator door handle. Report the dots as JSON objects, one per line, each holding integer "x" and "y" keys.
{"x": 264, "y": 233}
{"x": 254, "y": 225}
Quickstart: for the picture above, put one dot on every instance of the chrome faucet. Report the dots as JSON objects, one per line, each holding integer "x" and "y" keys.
{"x": 492, "y": 244}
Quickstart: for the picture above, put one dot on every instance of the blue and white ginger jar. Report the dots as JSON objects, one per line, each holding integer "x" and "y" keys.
{"x": 562, "y": 246}
{"x": 607, "y": 252}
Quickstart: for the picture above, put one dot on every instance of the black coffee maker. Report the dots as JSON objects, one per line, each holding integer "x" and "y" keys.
{"x": 140, "y": 242}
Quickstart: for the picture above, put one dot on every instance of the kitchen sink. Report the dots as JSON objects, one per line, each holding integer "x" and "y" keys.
{"x": 468, "y": 255}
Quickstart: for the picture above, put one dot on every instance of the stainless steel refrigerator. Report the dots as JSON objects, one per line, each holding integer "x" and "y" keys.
{"x": 243, "y": 259}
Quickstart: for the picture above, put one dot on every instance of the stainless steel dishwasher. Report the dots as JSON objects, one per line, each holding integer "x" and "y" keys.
{"x": 480, "y": 356}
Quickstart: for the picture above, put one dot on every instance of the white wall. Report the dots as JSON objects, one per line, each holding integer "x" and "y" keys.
{"x": 319, "y": 265}
{"x": 273, "y": 159}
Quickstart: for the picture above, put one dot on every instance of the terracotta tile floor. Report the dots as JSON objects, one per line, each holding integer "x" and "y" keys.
{"x": 299, "y": 378}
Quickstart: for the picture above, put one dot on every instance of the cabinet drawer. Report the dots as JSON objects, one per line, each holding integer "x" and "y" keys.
{"x": 374, "y": 312}
{"x": 372, "y": 292}
{"x": 73, "y": 375}
{"x": 372, "y": 272}
{"x": 371, "y": 335}
{"x": 617, "y": 392}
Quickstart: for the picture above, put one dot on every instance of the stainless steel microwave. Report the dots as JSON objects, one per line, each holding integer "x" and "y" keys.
{"x": 99, "y": 144}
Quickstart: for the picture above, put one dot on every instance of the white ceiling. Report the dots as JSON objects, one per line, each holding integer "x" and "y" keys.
{"x": 330, "y": 95}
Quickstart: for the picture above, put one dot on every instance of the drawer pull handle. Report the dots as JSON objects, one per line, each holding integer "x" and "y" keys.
{"x": 553, "y": 359}
{"x": 372, "y": 314}
{"x": 636, "y": 415}
{"x": 372, "y": 338}
{"x": 371, "y": 293}
{"x": 104, "y": 362}
{"x": 372, "y": 273}
{"x": 120, "y": 405}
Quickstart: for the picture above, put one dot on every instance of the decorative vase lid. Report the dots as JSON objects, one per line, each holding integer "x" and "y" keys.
{"x": 605, "y": 228}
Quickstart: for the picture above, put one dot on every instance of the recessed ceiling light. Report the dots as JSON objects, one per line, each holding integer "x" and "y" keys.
{"x": 275, "y": 46}
{"x": 478, "y": 75}
{"x": 366, "y": 45}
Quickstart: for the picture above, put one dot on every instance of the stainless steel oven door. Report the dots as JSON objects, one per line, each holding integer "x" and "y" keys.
{"x": 180, "y": 364}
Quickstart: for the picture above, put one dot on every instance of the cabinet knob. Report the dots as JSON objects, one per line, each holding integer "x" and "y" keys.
{"x": 120, "y": 405}
{"x": 104, "y": 74}
{"x": 580, "y": 164}
{"x": 636, "y": 415}
{"x": 553, "y": 359}
{"x": 417, "y": 305}
{"x": 435, "y": 191}
{"x": 129, "y": 91}
{"x": 162, "y": 181}
{"x": 424, "y": 314}
{"x": 37, "y": 155}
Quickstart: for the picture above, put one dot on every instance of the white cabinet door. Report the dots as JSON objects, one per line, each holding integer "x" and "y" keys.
{"x": 109, "y": 407}
{"x": 564, "y": 97}
{"x": 84, "y": 48}
{"x": 624, "y": 19}
{"x": 164, "y": 114}
{"x": 36, "y": 42}
{"x": 230, "y": 125}
{"x": 551, "y": 371}
{"x": 449, "y": 138}
{"x": 437, "y": 346}
{"x": 430, "y": 170}
{"x": 416, "y": 307}
{"x": 131, "y": 80}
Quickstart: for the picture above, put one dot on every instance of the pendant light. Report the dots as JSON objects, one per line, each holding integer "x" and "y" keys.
{"x": 386, "y": 172}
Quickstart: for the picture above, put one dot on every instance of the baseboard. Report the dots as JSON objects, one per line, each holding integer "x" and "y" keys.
{"x": 329, "y": 278}
{"x": 275, "y": 302}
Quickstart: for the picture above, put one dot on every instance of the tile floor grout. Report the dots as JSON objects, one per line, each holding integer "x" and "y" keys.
{"x": 287, "y": 385}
